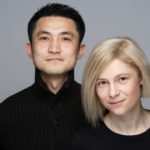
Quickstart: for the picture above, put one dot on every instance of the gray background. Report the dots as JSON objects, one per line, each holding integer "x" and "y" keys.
{"x": 103, "y": 18}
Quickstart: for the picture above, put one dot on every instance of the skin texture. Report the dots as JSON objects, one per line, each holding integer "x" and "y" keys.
{"x": 55, "y": 49}
{"x": 118, "y": 88}
{"x": 119, "y": 91}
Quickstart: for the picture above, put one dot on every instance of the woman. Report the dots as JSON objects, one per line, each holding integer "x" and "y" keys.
{"x": 115, "y": 78}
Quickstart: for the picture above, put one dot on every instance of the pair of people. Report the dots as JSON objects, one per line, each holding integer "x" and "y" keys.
{"x": 47, "y": 114}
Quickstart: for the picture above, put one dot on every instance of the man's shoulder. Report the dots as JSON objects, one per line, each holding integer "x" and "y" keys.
{"x": 76, "y": 85}
{"x": 17, "y": 96}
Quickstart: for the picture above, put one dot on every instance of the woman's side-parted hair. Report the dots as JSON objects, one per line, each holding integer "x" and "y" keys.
{"x": 123, "y": 48}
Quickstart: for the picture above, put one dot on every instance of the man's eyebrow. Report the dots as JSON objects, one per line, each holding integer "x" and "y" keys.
{"x": 61, "y": 33}
{"x": 43, "y": 32}
{"x": 67, "y": 33}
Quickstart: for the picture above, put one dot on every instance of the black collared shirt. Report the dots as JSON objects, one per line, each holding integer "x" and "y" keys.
{"x": 37, "y": 119}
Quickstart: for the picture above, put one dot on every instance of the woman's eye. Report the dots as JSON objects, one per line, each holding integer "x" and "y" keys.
{"x": 101, "y": 83}
{"x": 123, "y": 79}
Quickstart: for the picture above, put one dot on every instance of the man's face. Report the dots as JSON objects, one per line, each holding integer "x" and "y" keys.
{"x": 55, "y": 46}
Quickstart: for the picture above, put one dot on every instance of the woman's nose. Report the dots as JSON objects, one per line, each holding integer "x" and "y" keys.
{"x": 113, "y": 90}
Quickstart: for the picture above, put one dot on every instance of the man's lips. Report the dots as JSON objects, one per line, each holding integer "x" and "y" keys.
{"x": 54, "y": 59}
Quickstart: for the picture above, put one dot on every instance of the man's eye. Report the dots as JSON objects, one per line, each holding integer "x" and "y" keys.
{"x": 66, "y": 39}
{"x": 43, "y": 38}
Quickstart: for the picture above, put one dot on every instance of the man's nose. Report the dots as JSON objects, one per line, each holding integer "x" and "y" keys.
{"x": 54, "y": 46}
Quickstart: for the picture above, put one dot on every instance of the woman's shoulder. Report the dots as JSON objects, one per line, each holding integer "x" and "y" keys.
{"x": 90, "y": 131}
{"x": 88, "y": 137}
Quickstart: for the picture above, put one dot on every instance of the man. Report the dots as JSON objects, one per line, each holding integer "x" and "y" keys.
{"x": 45, "y": 115}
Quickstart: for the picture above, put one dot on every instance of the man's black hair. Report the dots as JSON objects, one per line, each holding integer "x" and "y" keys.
{"x": 60, "y": 10}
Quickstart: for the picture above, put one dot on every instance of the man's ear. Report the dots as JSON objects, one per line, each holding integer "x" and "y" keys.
{"x": 29, "y": 50}
{"x": 81, "y": 51}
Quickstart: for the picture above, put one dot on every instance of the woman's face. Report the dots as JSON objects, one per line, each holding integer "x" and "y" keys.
{"x": 119, "y": 87}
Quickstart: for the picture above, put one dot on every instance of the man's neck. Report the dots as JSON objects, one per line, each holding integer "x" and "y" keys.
{"x": 54, "y": 83}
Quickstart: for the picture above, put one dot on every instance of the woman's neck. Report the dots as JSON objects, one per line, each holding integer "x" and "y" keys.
{"x": 130, "y": 124}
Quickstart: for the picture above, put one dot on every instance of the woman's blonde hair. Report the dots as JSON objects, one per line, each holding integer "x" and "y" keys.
{"x": 123, "y": 48}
